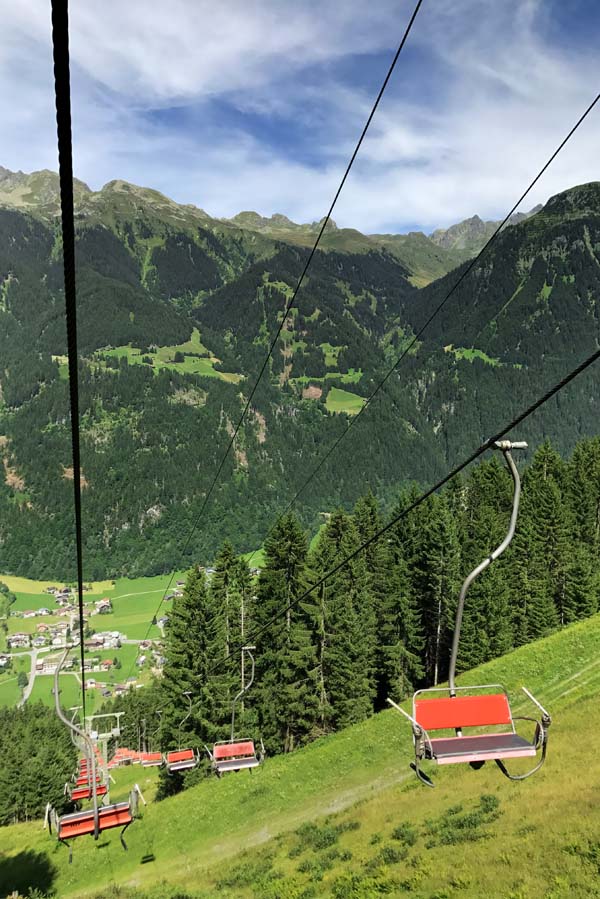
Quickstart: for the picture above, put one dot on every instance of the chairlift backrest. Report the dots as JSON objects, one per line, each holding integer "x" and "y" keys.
{"x": 233, "y": 750}
{"x": 85, "y": 792}
{"x": 462, "y": 711}
{"x": 81, "y": 823}
{"x": 180, "y": 755}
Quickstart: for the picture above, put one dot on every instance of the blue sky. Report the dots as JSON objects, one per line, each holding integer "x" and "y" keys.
{"x": 258, "y": 104}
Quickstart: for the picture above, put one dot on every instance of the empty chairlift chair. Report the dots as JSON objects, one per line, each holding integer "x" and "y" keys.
{"x": 235, "y": 755}
{"x": 99, "y": 818}
{"x": 92, "y": 822}
{"x": 484, "y": 708}
{"x": 182, "y": 759}
{"x": 81, "y": 788}
{"x": 152, "y": 759}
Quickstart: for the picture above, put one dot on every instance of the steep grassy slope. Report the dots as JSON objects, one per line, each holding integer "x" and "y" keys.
{"x": 529, "y": 840}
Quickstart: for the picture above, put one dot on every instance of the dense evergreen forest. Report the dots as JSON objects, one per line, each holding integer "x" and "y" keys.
{"x": 383, "y": 624}
{"x": 36, "y": 758}
{"x": 175, "y": 316}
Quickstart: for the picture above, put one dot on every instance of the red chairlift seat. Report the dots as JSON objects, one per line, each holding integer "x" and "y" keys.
{"x": 479, "y": 710}
{"x": 152, "y": 759}
{"x": 85, "y": 792}
{"x": 79, "y": 824}
{"x": 234, "y": 756}
{"x": 181, "y": 760}
{"x": 85, "y": 779}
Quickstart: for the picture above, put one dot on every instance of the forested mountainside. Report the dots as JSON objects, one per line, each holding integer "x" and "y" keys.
{"x": 176, "y": 311}
{"x": 383, "y": 624}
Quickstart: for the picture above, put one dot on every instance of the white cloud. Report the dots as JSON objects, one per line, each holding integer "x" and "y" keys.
{"x": 476, "y": 106}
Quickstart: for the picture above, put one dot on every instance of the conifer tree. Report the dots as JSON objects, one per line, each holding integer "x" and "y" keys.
{"x": 549, "y": 541}
{"x": 286, "y": 687}
{"x": 400, "y": 628}
{"x": 189, "y": 652}
{"x": 382, "y": 584}
{"x": 347, "y": 627}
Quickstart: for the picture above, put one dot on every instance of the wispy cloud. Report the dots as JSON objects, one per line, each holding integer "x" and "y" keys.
{"x": 256, "y": 105}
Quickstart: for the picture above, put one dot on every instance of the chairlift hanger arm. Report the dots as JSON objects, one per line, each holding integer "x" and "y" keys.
{"x": 83, "y": 736}
{"x": 505, "y": 447}
{"x": 245, "y": 688}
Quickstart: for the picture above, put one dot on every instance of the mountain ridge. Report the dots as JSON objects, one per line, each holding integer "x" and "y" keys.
{"x": 427, "y": 256}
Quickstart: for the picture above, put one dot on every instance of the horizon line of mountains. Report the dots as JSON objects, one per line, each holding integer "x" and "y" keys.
{"x": 39, "y": 192}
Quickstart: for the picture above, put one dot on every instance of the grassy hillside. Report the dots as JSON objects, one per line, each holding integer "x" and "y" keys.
{"x": 346, "y": 818}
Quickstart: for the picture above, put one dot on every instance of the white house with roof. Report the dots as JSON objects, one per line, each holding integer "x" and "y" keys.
{"x": 18, "y": 641}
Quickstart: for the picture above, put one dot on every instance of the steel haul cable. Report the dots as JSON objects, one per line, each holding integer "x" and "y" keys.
{"x": 62, "y": 90}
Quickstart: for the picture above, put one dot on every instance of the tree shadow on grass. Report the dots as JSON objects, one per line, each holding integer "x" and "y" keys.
{"x": 25, "y": 872}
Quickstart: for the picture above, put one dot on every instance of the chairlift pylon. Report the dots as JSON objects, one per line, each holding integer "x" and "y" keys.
{"x": 235, "y": 755}
{"x": 476, "y": 707}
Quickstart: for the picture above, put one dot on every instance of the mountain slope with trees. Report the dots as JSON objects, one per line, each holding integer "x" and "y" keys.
{"x": 176, "y": 313}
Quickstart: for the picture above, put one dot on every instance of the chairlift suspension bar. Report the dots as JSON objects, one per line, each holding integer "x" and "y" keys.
{"x": 245, "y": 687}
{"x": 86, "y": 741}
{"x": 505, "y": 447}
{"x": 188, "y": 694}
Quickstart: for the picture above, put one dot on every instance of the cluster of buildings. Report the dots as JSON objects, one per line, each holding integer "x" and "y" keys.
{"x": 104, "y": 640}
{"x": 44, "y": 635}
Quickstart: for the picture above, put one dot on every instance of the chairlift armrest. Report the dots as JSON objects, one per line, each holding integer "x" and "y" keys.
{"x": 139, "y": 792}
{"x": 418, "y": 730}
{"x": 210, "y": 755}
{"x": 541, "y": 729}
{"x": 545, "y": 714}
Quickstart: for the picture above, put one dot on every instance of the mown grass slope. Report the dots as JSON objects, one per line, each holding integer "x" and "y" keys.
{"x": 346, "y": 818}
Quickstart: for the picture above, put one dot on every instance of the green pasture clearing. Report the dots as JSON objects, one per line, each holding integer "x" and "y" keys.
{"x": 33, "y": 601}
{"x": 10, "y": 692}
{"x": 29, "y": 625}
{"x": 255, "y": 557}
{"x": 27, "y": 585}
{"x": 345, "y": 816}
{"x": 331, "y": 353}
{"x": 352, "y": 376}
{"x": 339, "y": 400}
{"x": 70, "y": 692}
{"x": 197, "y": 359}
{"x": 471, "y": 354}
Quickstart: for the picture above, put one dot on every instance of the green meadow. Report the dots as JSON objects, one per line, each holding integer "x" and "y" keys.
{"x": 339, "y": 400}
{"x": 135, "y": 602}
{"x": 197, "y": 359}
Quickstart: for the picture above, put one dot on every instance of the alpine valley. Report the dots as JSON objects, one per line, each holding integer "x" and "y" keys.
{"x": 176, "y": 312}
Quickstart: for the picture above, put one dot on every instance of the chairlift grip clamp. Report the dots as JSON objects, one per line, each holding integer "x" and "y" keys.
{"x": 505, "y": 445}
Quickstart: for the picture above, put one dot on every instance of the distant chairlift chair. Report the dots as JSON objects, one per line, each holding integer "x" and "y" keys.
{"x": 477, "y": 707}
{"x": 234, "y": 755}
{"x": 182, "y": 759}
{"x": 153, "y": 759}
{"x": 99, "y": 818}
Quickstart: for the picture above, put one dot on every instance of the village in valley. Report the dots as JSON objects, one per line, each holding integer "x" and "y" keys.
{"x": 121, "y": 651}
